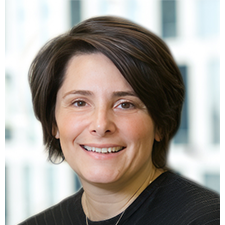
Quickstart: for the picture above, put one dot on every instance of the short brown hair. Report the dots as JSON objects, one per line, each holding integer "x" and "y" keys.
{"x": 142, "y": 58}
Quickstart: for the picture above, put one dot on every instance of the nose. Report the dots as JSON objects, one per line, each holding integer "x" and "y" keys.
{"x": 102, "y": 123}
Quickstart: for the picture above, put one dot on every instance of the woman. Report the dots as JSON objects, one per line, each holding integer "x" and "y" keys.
{"x": 109, "y": 97}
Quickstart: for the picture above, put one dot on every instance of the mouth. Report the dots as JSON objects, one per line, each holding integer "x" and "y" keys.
{"x": 103, "y": 150}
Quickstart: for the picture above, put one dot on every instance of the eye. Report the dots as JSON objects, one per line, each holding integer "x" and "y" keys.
{"x": 79, "y": 103}
{"x": 126, "y": 105}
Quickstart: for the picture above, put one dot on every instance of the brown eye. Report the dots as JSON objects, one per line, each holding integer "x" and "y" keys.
{"x": 126, "y": 105}
{"x": 79, "y": 103}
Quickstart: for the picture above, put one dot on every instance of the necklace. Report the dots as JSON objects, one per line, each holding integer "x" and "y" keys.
{"x": 124, "y": 205}
{"x": 116, "y": 222}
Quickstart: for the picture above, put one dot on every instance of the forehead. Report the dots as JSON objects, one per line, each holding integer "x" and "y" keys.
{"x": 93, "y": 71}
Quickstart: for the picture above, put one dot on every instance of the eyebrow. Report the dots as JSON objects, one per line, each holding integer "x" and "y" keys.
{"x": 89, "y": 93}
{"x": 78, "y": 92}
{"x": 124, "y": 93}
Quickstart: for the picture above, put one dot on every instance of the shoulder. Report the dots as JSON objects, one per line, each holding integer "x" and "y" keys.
{"x": 188, "y": 200}
{"x": 57, "y": 214}
{"x": 186, "y": 188}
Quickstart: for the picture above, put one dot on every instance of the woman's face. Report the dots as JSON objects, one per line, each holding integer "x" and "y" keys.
{"x": 105, "y": 131}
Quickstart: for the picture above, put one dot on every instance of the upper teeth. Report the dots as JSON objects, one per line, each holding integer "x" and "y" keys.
{"x": 103, "y": 150}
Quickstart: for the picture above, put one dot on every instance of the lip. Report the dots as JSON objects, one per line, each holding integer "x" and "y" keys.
{"x": 102, "y": 145}
{"x": 101, "y": 155}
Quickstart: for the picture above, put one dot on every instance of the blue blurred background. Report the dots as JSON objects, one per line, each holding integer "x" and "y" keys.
{"x": 191, "y": 30}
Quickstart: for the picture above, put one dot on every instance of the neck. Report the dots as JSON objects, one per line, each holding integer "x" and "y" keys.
{"x": 101, "y": 202}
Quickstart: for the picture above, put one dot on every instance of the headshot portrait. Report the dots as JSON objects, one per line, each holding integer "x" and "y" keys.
{"x": 115, "y": 121}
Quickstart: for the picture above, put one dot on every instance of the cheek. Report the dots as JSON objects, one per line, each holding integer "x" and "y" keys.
{"x": 138, "y": 128}
{"x": 70, "y": 126}
{"x": 139, "y": 136}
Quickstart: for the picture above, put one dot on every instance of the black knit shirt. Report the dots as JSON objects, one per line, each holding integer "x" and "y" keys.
{"x": 168, "y": 200}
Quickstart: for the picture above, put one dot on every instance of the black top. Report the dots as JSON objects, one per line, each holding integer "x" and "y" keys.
{"x": 168, "y": 200}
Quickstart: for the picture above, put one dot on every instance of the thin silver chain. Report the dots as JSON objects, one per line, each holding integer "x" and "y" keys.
{"x": 116, "y": 222}
{"x": 125, "y": 204}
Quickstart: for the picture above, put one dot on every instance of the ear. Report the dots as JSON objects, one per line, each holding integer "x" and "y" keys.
{"x": 157, "y": 136}
{"x": 57, "y": 136}
{"x": 55, "y": 132}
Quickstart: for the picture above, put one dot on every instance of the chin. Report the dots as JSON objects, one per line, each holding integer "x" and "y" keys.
{"x": 100, "y": 176}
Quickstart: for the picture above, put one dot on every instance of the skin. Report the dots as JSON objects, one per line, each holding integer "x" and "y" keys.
{"x": 96, "y": 107}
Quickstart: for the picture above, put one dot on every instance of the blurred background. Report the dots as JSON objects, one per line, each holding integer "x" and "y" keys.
{"x": 191, "y": 30}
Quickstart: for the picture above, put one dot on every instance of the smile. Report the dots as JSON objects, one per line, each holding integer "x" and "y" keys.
{"x": 103, "y": 150}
